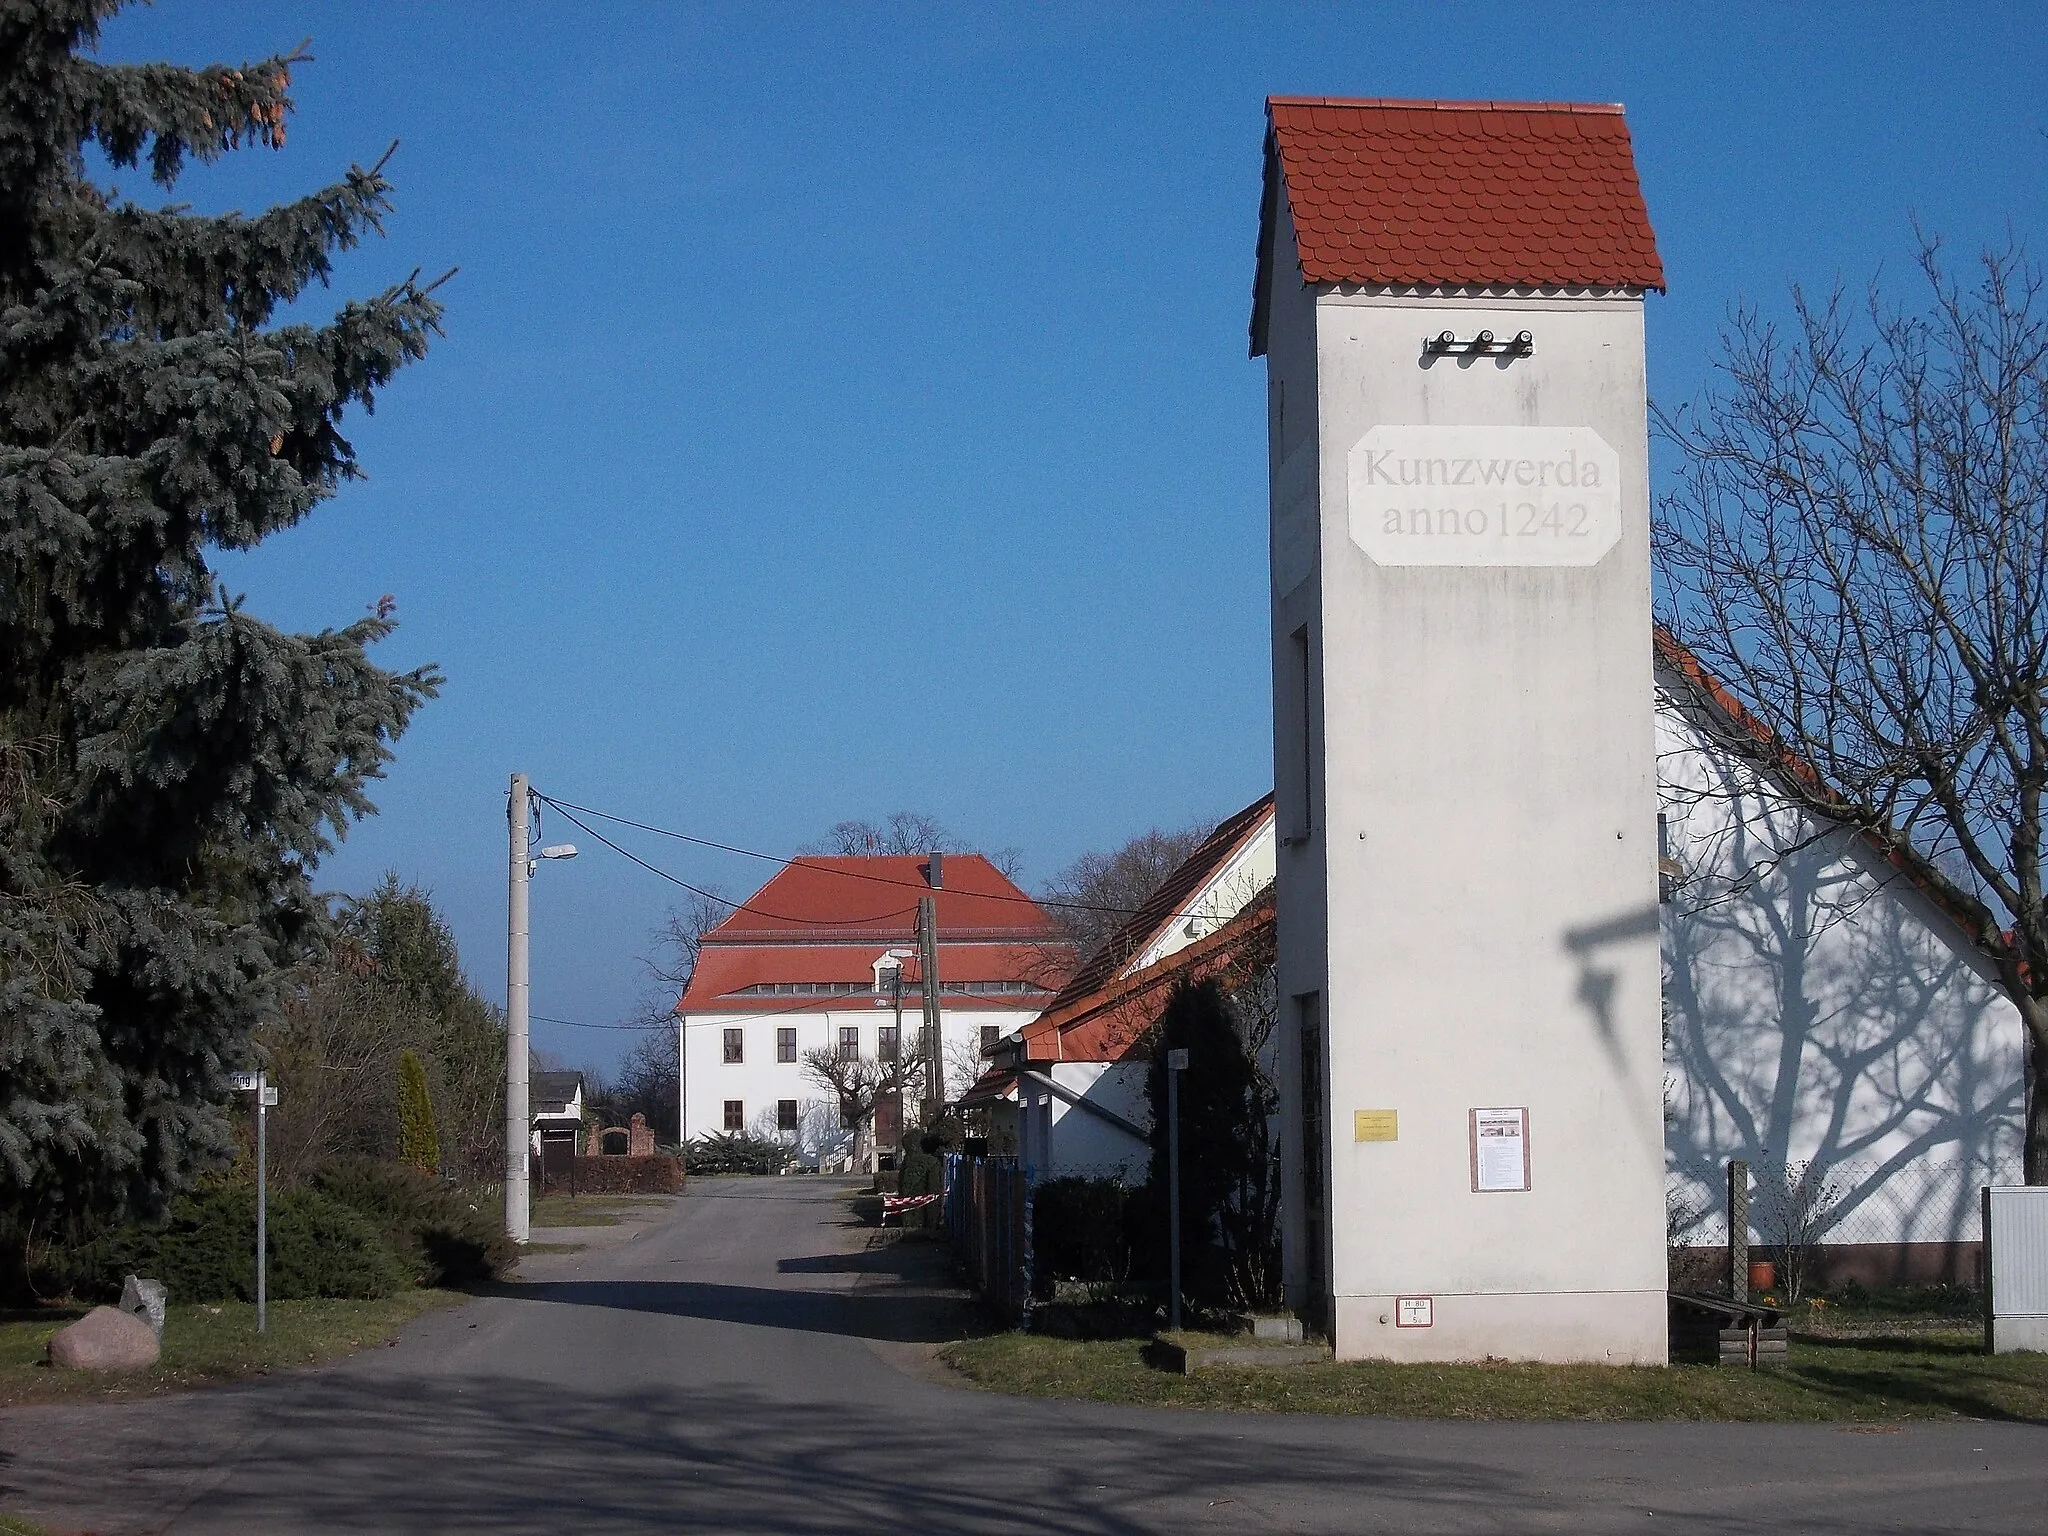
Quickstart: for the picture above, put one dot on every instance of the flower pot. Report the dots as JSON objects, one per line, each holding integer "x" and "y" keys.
{"x": 1763, "y": 1274}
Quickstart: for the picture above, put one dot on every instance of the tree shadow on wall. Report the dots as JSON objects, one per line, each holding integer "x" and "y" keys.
{"x": 1819, "y": 1011}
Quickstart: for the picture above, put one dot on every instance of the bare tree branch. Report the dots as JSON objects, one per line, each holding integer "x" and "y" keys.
{"x": 1856, "y": 550}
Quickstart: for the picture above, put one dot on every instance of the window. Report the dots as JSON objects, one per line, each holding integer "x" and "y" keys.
{"x": 849, "y": 1042}
{"x": 785, "y": 1114}
{"x": 735, "y": 1046}
{"x": 735, "y": 1114}
{"x": 990, "y": 1034}
{"x": 1305, "y": 786}
{"x": 785, "y": 1045}
{"x": 888, "y": 1040}
{"x": 849, "y": 1117}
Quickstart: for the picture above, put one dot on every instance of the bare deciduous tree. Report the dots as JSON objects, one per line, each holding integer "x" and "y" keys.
{"x": 1092, "y": 896}
{"x": 1857, "y": 547}
{"x": 858, "y": 1083}
{"x": 905, "y": 832}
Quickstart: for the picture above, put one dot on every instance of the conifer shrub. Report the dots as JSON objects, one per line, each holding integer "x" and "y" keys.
{"x": 920, "y": 1174}
{"x": 418, "y": 1144}
{"x": 206, "y": 1249}
{"x": 734, "y": 1152}
{"x": 443, "y": 1236}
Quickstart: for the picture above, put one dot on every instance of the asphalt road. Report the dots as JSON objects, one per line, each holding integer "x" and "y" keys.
{"x": 747, "y": 1363}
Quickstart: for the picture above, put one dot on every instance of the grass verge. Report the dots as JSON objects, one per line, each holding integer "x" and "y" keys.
{"x": 205, "y": 1344}
{"x": 591, "y": 1210}
{"x": 1829, "y": 1379}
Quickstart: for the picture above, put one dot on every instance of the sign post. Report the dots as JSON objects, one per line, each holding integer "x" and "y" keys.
{"x": 266, "y": 1097}
{"x": 1176, "y": 1063}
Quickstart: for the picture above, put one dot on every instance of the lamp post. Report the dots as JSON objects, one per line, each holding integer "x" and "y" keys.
{"x": 519, "y": 811}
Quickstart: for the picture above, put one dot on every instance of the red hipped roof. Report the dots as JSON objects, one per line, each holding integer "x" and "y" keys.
{"x": 829, "y": 919}
{"x": 1459, "y": 193}
{"x": 823, "y": 899}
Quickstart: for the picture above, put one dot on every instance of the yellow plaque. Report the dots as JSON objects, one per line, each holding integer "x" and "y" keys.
{"x": 1375, "y": 1125}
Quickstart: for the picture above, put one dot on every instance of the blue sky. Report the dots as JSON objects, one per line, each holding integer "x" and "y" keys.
{"x": 845, "y": 408}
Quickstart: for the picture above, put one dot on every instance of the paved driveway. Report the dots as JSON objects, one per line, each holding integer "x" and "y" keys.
{"x": 747, "y": 1364}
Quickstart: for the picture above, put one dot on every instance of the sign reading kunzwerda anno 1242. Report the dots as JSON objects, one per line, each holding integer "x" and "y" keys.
{"x": 1485, "y": 495}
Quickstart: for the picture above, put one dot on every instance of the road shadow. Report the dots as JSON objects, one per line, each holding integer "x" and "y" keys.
{"x": 518, "y": 1455}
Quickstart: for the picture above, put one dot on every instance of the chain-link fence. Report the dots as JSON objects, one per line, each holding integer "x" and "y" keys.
{"x": 1860, "y": 1201}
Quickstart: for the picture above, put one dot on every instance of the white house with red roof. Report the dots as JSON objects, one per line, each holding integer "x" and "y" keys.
{"x": 1070, "y": 1085}
{"x": 803, "y": 964}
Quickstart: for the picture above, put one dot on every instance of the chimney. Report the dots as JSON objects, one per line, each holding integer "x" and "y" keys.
{"x": 935, "y": 872}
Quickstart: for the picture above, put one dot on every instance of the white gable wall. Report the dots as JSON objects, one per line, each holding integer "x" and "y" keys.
{"x": 1225, "y": 894}
{"x": 1818, "y": 1008}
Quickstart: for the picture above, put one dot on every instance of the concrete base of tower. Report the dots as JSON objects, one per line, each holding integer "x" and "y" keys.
{"x": 1558, "y": 1327}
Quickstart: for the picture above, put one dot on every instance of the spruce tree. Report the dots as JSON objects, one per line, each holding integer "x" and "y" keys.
{"x": 171, "y": 767}
{"x": 418, "y": 1143}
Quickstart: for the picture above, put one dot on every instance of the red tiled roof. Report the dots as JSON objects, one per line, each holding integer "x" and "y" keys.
{"x": 725, "y": 970}
{"x": 814, "y": 899}
{"x": 1137, "y": 932}
{"x": 1524, "y": 194}
{"x": 1112, "y": 1022}
{"x": 829, "y": 919}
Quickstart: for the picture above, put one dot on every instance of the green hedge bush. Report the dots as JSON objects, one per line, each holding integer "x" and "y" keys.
{"x": 735, "y": 1152}
{"x": 444, "y": 1237}
{"x": 1081, "y": 1229}
{"x": 920, "y": 1173}
{"x": 205, "y": 1250}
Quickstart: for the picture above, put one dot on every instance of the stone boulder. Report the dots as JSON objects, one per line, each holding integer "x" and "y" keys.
{"x": 105, "y": 1339}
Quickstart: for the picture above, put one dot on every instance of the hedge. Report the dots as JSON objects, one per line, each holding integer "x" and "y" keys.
{"x": 443, "y": 1236}
{"x": 206, "y": 1250}
{"x": 656, "y": 1175}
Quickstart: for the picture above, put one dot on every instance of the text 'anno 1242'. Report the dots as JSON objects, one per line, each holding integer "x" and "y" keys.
{"x": 1440, "y": 495}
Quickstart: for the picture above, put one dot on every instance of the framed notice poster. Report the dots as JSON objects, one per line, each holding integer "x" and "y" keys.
{"x": 1500, "y": 1150}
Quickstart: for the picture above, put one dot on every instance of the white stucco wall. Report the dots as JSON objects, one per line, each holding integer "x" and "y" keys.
{"x": 1477, "y": 842}
{"x": 1819, "y": 1009}
{"x": 1058, "y": 1138}
{"x": 760, "y": 1081}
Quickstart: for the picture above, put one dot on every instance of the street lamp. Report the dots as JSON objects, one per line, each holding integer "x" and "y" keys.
{"x": 519, "y": 813}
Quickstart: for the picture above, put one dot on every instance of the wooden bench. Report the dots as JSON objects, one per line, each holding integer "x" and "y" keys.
{"x": 1743, "y": 1332}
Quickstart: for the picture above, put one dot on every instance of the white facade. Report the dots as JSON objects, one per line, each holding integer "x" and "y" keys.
{"x": 1085, "y": 1119}
{"x": 760, "y": 1082}
{"x": 1821, "y": 1011}
{"x": 1468, "y": 891}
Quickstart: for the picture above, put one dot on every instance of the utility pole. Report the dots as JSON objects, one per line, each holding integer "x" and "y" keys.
{"x": 928, "y": 960}
{"x": 517, "y": 923}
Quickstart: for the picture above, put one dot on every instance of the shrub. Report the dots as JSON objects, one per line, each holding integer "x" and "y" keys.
{"x": 735, "y": 1152}
{"x": 444, "y": 1237}
{"x": 920, "y": 1174}
{"x": 205, "y": 1250}
{"x": 660, "y": 1174}
{"x": 418, "y": 1143}
{"x": 1081, "y": 1230}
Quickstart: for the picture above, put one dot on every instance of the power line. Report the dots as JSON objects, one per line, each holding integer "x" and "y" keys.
{"x": 565, "y": 807}
{"x": 724, "y": 901}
